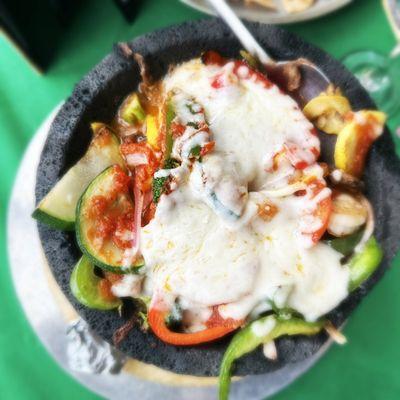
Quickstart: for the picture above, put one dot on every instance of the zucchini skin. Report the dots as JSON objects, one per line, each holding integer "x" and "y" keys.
{"x": 116, "y": 269}
{"x": 80, "y": 236}
{"x": 52, "y": 210}
{"x": 53, "y": 222}
{"x": 84, "y": 287}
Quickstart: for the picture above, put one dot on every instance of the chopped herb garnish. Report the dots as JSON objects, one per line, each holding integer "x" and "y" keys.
{"x": 195, "y": 152}
{"x": 160, "y": 183}
{"x": 171, "y": 163}
{"x": 190, "y": 108}
{"x": 158, "y": 188}
{"x": 193, "y": 125}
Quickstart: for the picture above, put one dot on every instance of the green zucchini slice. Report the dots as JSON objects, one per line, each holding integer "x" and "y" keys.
{"x": 58, "y": 208}
{"x": 85, "y": 286}
{"x": 104, "y": 221}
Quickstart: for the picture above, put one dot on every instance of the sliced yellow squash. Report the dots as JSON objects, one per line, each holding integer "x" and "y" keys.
{"x": 355, "y": 140}
{"x": 327, "y": 111}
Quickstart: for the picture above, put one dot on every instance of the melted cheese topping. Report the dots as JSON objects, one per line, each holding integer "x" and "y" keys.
{"x": 207, "y": 244}
{"x": 246, "y": 119}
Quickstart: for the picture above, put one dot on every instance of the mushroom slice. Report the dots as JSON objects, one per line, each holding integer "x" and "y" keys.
{"x": 348, "y": 214}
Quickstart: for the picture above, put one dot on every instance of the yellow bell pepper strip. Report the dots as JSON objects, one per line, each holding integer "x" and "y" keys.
{"x": 132, "y": 111}
{"x": 355, "y": 140}
{"x": 364, "y": 263}
{"x": 263, "y": 330}
{"x": 152, "y": 131}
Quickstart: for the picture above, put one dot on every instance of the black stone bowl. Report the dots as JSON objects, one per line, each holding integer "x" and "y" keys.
{"x": 97, "y": 97}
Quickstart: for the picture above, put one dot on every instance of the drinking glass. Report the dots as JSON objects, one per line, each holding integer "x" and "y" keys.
{"x": 380, "y": 73}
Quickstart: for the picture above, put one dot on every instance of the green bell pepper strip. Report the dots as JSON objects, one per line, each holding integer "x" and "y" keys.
{"x": 361, "y": 267}
{"x": 345, "y": 245}
{"x": 247, "y": 339}
{"x": 364, "y": 263}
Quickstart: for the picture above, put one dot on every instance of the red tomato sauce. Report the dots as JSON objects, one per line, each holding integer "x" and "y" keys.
{"x": 105, "y": 291}
{"x": 143, "y": 174}
{"x": 113, "y": 214}
{"x": 217, "y": 320}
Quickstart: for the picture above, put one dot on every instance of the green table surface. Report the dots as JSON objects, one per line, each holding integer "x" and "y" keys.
{"x": 366, "y": 368}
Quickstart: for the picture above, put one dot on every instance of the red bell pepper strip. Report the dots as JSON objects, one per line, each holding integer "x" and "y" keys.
{"x": 156, "y": 319}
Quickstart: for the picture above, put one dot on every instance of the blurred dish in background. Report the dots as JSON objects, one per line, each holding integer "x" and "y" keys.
{"x": 276, "y": 11}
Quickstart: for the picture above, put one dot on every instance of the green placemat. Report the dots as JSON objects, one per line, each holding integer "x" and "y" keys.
{"x": 367, "y": 368}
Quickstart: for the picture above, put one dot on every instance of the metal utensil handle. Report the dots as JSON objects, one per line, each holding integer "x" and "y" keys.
{"x": 392, "y": 9}
{"x": 239, "y": 29}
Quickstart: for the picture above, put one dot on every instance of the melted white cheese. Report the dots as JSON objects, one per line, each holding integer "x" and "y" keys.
{"x": 263, "y": 328}
{"x": 194, "y": 255}
{"x": 270, "y": 351}
{"x": 128, "y": 286}
{"x": 246, "y": 119}
{"x": 194, "y": 252}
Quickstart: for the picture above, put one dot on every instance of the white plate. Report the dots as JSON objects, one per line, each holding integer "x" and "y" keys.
{"x": 280, "y": 16}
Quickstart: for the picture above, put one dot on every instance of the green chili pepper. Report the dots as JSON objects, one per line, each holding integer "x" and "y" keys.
{"x": 258, "y": 332}
{"x": 364, "y": 263}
